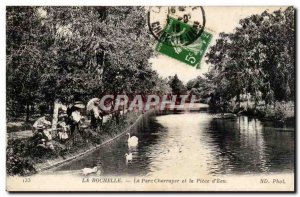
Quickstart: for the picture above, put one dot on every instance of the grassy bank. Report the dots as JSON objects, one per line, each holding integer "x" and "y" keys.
{"x": 23, "y": 158}
{"x": 281, "y": 112}
{"x": 17, "y": 126}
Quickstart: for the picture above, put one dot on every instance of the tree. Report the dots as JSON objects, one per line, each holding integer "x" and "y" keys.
{"x": 176, "y": 85}
{"x": 77, "y": 53}
{"x": 257, "y": 58}
{"x": 24, "y": 58}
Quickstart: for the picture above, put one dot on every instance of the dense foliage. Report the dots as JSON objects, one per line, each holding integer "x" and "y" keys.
{"x": 70, "y": 53}
{"x": 256, "y": 60}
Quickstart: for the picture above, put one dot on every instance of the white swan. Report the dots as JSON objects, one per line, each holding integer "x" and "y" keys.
{"x": 132, "y": 141}
{"x": 128, "y": 157}
{"x": 87, "y": 171}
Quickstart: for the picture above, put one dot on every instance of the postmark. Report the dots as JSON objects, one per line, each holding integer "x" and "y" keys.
{"x": 190, "y": 25}
{"x": 180, "y": 32}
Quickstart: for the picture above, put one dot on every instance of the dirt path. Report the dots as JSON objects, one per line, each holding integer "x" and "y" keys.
{"x": 19, "y": 134}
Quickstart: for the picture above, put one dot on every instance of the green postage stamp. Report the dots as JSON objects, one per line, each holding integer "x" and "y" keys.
{"x": 190, "y": 54}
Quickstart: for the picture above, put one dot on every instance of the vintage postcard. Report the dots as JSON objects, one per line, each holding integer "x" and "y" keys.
{"x": 134, "y": 98}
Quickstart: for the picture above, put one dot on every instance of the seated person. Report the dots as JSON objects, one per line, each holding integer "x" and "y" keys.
{"x": 96, "y": 118}
{"x": 42, "y": 138}
{"x": 42, "y": 121}
{"x": 63, "y": 128}
{"x": 74, "y": 117}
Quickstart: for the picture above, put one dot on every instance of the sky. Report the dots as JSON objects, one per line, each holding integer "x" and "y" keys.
{"x": 218, "y": 19}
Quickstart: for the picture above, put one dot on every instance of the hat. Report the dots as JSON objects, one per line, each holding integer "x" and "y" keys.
{"x": 62, "y": 115}
{"x": 40, "y": 126}
{"x": 79, "y": 104}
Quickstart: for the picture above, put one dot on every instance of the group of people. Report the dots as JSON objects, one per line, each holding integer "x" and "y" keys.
{"x": 69, "y": 120}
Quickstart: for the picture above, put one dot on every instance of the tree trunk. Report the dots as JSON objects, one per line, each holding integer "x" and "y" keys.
{"x": 247, "y": 100}
{"x": 118, "y": 118}
{"x": 239, "y": 100}
{"x": 55, "y": 114}
{"x": 27, "y": 112}
{"x": 51, "y": 108}
{"x": 32, "y": 109}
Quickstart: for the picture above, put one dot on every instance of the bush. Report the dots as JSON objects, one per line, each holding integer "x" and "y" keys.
{"x": 281, "y": 112}
{"x": 23, "y": 154}
{"x": 17, "y": 158}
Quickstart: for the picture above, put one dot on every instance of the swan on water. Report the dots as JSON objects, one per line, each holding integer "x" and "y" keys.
{"x": 132, "y": 141}
{"x": 228, "y": 115}
{"x": 87, "y": 171}
{"x": 224, "y": 115}
{"x": 128, "y": 157}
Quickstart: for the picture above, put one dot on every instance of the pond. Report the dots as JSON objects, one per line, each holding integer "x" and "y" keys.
{"x": 195, "y": 143}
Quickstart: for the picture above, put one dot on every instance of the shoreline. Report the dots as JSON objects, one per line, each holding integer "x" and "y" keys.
{"x": 29, "y": 164}
{"x": 90, "y": 149}
{"x": 281, "y": 114}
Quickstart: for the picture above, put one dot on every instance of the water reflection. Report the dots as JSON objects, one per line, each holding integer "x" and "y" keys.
{"x": 195, "y": 144}
{"x": 249, "y": 145}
